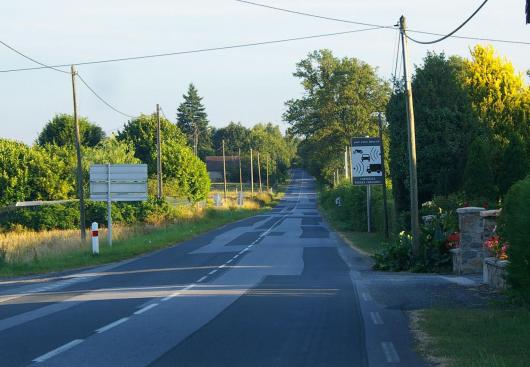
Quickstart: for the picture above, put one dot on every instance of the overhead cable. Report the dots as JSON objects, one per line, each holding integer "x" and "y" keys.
{"x": 43, "y": 66}
{"x": 201, "y": 50}
{"x": 103, "y": 100}
{"x": 452, "y": 32}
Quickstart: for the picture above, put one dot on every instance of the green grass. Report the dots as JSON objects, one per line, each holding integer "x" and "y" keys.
{"x": 367, "y": 242}
{"x": 491, "y": 337}
{"x": 133, "y": 246}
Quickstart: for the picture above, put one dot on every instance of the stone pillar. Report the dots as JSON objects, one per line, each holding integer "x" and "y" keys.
{"x": 468, "y": 259}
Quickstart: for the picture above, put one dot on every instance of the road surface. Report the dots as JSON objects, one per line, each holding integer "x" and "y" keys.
{"x": 278, "y": 289}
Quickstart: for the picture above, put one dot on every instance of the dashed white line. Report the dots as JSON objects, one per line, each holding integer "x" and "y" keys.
{"x": 390, "y": 352}
{"x": 171, "y": 296}
{"x": 235, "y": 256}
{"x": 229, "y": 261}
{"x": 366, "y": 296}
{"x": 56, "y": 351}
{"x": 222, "y": 266}
{"x": 188, "y": 287}
{"x": 213, "y": 272}
{"x": 113, "y": 324}
{"x": 201, "y": 279}
{"x": 376, "y": 318}
{"x": 146, "y": 308}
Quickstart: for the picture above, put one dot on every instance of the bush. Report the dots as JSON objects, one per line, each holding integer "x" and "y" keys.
{"x": 353, "y": 209}
{"x": 515, "y": 229}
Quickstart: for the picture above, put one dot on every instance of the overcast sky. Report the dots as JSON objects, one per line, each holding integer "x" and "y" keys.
{"x": 248, "y": 85}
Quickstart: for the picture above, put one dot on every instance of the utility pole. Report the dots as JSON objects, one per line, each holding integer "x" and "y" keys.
{"x": 267, "y": 168}
{"x": 224, "y": 167}
{"x": 383, "y": 171}
{"x": 411, "y": 130}
{"x": 251, "y": 174}
{"x": 240, "y": 172}
{"x": 368, "y": 207}
{"x": 259, "y": 175}
{"x": 80, "y": 194}
{"x": 158, "y": 153}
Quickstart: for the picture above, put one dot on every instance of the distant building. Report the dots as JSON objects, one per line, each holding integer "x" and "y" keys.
{"x": 214, "y": 166}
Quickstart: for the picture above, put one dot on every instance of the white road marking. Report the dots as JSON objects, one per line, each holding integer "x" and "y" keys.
{"x": 146, "y": 308}
{"x": 235, "y": 256}
{"x": 213, "y": 272}
{"x": 229, "y": 261}
{"x": 112, "y": 324}
{"x": 61, "y": 349}
{"x": 390, "y": 352}
{"x": 171, "y": 296}
{"x": 366, "y": 296}
{"x": 376, "y": 318}
{"x": 201, "y": 279}
{"x": 188, "y": 287}
{"x": 222, "y": 266}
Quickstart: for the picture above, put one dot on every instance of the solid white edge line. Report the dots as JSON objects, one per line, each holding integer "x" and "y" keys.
{"x": 201, "y": 279}
{"x": 111, "y": 325}
{"x": 56, "y": 351}
{"x": 390, "y": 352}
{"x": 146, "y": 308}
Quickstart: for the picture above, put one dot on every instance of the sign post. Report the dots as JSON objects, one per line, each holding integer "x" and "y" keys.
{"x": 367, "y": 167}
{"x": 117, "y": 182}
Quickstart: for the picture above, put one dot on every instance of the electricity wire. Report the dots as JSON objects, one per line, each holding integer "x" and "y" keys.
{"x": 452, "y": 32}
{"x": 451, "y": 35}
{"x": 102, "y": 99}
{"x": 252, "y": 44}
{"x": 44, "y": 66}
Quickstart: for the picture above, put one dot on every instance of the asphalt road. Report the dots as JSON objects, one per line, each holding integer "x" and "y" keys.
{"x": 279, "y": 289}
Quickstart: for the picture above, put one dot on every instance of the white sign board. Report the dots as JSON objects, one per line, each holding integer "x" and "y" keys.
{"x": 366, "y": 165}
{"x": 126, "y": 182}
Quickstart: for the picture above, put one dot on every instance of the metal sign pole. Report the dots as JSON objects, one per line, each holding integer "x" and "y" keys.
{"x": 368, "y": 211}
{"x": 109, "y": 209}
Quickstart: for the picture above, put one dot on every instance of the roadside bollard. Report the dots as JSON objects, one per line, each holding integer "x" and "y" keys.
{"x": 95, "y": 238}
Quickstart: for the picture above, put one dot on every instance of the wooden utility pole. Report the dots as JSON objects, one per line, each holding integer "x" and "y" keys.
{"x": 240, "y": 172}
{"x": 224, "y": 167}
{"x": 158, "y": 153}
{"x": 267, "y": 169}
{"x": 259, "y": 175}
{"x": 411, "y": 131}
{"x": 251, "y": 174}
{"x": 80, "y": 193}
{"x": 383, "y": 171}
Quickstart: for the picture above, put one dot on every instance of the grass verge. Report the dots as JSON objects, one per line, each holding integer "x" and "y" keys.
{"x": 367, "y": 243}
{"x": 145, "y": 239}
{"x": 490, "y": 337}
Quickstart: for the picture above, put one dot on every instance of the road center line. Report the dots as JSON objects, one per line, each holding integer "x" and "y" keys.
{"x": 201, "y": 279}
{"x": 212, "y": 272}
{"x": 146, "y": 308}
{"x": 113, "y": 324}
{"x": 61, "y": 349}
{"x": 376, "y": 318}
{"x": 390, "y": 352}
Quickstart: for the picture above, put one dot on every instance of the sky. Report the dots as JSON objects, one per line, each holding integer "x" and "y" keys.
{"x": 248, "y": 85}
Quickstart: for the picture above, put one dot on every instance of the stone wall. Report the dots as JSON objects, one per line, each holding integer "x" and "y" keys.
{"x": 468, "y": 258}
{"x": 494, "y": 272}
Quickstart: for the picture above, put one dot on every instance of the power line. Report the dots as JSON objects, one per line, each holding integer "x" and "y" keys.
{"x": 194, "y": 51}
{"x": 388, "y": 27}
{"x": 44, "y": 66}
{"x": 452, "y": 32}
{"x": 314, "y": 15}
{"x": 103, "y": 100}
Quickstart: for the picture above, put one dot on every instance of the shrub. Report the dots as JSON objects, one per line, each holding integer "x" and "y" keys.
{"x": 515, "y": 229}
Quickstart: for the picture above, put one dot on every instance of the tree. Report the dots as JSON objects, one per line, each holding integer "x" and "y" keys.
{"x": 61, "y": 131}
{"x": 479, "y": 179}
{"x": 141, "y": 134}
{"x": 235, "y": 135}
{"x": 340, "y": 98}
{"x": 445, "y": 127}
{"x": 193, "y": 121}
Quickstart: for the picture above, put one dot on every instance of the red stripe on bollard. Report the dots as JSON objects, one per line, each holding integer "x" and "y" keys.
{"x": 95, "y": 233}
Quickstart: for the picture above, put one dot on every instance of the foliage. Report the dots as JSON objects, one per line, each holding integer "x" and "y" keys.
{"x": 111, "y": 150}
{"x": 235, "y": 135}
{"x": 514, "y": 228}
{"x": 434, "y": 249}
{"x": 193, "y": 121}
{"x": 30, "y": 174}
{"x": 479, "y": 179}
{"x": 445, "y": 126}
{"x": 61, "y": 131}
{"x": 340, "y": 98}
{"x": 141, "y": 134}
{"x": 186, "y": 171}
